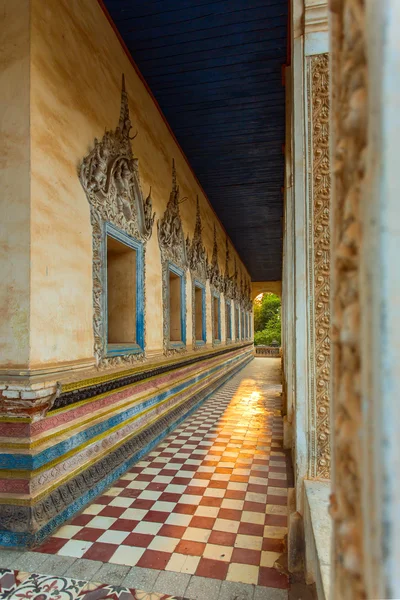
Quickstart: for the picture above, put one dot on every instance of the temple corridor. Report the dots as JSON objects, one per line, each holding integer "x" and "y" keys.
{"x": 203, "y": 515}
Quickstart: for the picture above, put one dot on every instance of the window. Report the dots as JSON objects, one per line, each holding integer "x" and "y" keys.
{"x": 124, "y": 298}
{"x": 228, "y": 321}
{"x": 237, "y": 323}
{"x": 216, "y": 318}
{"x": 241, "y": 324}
{"x": 199, "y": 313}
{"x": 176, "y": 289}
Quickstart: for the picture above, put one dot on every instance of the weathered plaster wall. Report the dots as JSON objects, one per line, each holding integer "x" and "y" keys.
{"x": 77, "y": 64}
{"x": 14, "y": 184}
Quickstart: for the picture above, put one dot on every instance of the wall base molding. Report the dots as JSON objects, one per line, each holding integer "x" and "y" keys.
{"x": 26, "y": 522}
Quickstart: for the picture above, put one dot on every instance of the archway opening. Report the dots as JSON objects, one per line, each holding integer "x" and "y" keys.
{"x": 267, "y": 320}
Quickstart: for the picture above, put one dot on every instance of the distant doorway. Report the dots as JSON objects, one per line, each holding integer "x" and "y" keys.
{"x": 267, "y": 320}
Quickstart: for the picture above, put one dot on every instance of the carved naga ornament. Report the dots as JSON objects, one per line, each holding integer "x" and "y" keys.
{"x": 170, "y": 231}
{"x": 196, "y": 252}
{"x": 109, "y": 175}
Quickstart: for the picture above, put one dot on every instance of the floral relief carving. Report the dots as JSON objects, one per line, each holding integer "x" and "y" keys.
{"x": 349, "y": 104}
{"x": 109, "y": 174}
{"x": 319, "y": 263}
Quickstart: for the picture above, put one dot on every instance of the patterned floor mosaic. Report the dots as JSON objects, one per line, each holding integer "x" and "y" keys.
{"x": 209, "y": 501}
{"x": 17, "y": 585}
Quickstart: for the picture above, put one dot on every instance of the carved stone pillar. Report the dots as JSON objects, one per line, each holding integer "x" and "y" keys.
{"x": 319, "y": 184}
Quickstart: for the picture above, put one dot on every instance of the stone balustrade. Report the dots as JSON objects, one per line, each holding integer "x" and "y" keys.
{"x": 267, "y": 350}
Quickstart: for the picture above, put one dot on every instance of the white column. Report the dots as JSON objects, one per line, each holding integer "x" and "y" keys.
{"x": 300, "y": 454}
{"x": 288, "y": 269}
{"x": 381, "y": 269}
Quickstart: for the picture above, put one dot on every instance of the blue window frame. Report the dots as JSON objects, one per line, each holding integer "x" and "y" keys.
{"x": 199, "y": 308}
{"x": 216, "y": 300}
{"x": 228, "y": 320}
{"x": 176, "y": 293}
{"x": 115, "y": 239}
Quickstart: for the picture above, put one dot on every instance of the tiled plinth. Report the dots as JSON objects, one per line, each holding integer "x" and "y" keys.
{"x": 209, "y": 501}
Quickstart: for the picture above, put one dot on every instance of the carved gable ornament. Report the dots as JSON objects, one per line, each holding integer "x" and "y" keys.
{"x": 170, "y": 231}
{"x": 196, "y": 252}
{"x": 109, "y": 175}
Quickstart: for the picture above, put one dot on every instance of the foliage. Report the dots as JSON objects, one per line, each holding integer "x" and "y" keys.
{"x": 267, "y": 319}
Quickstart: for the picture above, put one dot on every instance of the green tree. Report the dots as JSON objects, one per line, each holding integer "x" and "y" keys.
{"x": 267, "y": 319}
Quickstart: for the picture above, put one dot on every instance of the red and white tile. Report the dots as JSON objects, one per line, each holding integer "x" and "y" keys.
{"x": 210, "y": 500}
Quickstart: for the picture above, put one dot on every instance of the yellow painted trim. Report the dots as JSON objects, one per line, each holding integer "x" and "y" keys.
{"x": 70, "y": 387}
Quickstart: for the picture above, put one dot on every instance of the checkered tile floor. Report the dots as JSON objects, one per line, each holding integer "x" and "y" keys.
{"x": 210, "y": 500}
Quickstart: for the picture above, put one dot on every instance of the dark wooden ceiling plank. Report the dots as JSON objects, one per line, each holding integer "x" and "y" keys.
{"x": 215, "y": 68}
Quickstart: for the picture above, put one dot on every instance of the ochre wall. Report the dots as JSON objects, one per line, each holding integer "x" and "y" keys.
{"x": 14, "y": 184}
{"x": 77, "y": 64}
{"x": 261, "y": 287}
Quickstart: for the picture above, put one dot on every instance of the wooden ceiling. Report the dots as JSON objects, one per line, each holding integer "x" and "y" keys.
{"x": 215, "y": 68}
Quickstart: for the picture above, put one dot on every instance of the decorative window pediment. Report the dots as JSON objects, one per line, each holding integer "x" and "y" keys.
{"x": 110, "y": 177}
{"x": 172, "y": 244}
{"x": 214, "y": 274}
{"x": 109, "y": 174}
{"x": 228, "y": 280}
{"x": 170, "y": 231}
{"x": 196, "y": 252}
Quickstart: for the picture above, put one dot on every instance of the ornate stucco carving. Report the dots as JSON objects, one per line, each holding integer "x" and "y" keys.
{"x": 214, "y": 274}
{"x": 196, "y": 252}
{"x": 173, "y": 250}
{"x": 170, "y": 231}
{"x": 349, "y": 112}
{"x": 229, "y": 282}
{"x": 198, "y": 266}
{"x": 110, "y": 177}
{"x": 109, "y": 174}
{"x": 217, "y": 286}
{"x": 228, "y": 288}
{"x": 319, "y": 264}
